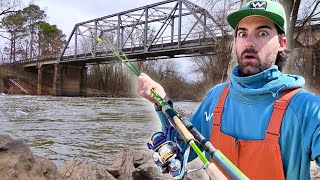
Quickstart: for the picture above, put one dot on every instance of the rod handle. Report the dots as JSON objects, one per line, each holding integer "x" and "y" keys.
{"x": 214, "y": 173}
{"x": 177, "y": 124}
{"x": 184, "y": 131}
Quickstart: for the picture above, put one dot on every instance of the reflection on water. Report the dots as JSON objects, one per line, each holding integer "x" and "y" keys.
{"x": 66, "y": 128}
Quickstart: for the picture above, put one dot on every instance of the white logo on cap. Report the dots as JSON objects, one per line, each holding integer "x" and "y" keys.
{"x": 258, "y": 5}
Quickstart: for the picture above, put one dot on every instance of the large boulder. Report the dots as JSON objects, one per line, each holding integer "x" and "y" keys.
{"x": 17, "y": 162}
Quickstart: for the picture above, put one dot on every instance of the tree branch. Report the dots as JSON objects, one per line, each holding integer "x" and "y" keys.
{"x": 7, "y": 11}
{"x": 307, "y": 19}
{"x": 4, "y": 37}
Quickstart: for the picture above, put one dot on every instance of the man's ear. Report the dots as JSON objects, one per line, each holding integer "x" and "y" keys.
{"x": 283, "y": 42}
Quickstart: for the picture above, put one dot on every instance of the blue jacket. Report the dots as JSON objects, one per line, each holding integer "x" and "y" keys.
{"x": 248, "y": 109}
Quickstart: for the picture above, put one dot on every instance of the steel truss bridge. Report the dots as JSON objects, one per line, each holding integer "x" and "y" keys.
{"x": 172, "y": 28}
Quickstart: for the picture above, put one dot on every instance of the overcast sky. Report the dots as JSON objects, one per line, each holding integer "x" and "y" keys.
{"x": 66, "y": 13}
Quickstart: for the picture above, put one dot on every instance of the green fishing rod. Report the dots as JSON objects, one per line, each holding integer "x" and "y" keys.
{"x": 188, "y": 132}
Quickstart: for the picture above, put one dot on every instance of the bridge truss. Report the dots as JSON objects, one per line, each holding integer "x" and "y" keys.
{"x": 172, "y": 28}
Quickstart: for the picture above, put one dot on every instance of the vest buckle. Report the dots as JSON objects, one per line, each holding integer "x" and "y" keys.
{"x": 280, "y": 104}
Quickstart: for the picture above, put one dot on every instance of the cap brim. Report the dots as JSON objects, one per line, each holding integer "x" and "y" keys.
{"x": 234, "y": 18}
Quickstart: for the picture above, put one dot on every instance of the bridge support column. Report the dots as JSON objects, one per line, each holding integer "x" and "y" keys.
{"x": 70, "y": 80}
{"x": 39, "y": 84}
{"x": 57, "y": 80}
{"x": 83, "y": 80}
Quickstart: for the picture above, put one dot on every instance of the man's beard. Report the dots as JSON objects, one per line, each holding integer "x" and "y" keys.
{"x": 252, "y": 68}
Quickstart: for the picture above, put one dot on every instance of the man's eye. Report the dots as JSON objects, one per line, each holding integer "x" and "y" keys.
{"x": 263, "y": 33}
{"x": 242, "y": 34}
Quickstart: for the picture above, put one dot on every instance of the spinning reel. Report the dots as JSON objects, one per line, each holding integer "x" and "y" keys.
{"x": 168, "y": 155}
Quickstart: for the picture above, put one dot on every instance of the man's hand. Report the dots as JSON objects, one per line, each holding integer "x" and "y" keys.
{"x": 145, "y": 84}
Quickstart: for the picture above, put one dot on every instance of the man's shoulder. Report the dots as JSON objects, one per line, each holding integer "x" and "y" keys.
{"x": 306, "y": 98}
{"x": 217, "y": 89}
{"x": 214, "y": 93}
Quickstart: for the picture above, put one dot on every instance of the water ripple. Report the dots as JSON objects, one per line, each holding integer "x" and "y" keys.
{"x": 68, "y": 128}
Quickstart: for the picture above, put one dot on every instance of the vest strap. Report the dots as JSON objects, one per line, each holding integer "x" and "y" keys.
{"x": 217, "y": 111}
{"x": 279, "y": 109}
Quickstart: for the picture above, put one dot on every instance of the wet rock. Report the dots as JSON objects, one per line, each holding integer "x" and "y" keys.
{"x": 17, "y": 162}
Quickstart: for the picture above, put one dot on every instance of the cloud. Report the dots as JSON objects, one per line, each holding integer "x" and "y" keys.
{"x": 66, "y": 13}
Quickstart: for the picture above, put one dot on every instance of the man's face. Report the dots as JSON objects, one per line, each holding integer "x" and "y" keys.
{"x": 257, "y": 45}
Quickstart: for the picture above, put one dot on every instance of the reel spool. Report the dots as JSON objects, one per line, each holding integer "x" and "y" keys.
{"x": 167, "y": 155}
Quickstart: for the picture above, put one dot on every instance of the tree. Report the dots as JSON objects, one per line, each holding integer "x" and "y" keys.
{"x": 34, "y": 16}
{"x": 6, "y": 7}
{"x": 213, "y": 69}
{"x": 50, "y": 39}
{"x": 14, "y": 24}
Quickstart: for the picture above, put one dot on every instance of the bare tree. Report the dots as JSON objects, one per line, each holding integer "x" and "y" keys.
{"x": 214, "y": 69}
{"x": 8, "y": 6}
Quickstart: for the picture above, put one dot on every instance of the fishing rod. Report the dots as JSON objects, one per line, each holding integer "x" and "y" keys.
{"x": 168, "y": 154}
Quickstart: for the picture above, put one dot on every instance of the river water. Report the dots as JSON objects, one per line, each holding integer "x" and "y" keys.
{"x": 70, "y": 128}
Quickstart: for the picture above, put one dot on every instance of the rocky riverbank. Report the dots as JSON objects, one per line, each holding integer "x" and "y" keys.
{"x": 18, "y": 162}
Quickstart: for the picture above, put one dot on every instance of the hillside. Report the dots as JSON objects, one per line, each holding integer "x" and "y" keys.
{"x": 14, "y": 80}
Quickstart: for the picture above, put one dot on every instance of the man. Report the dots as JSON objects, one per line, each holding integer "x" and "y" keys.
{"x": 262, "y": 121}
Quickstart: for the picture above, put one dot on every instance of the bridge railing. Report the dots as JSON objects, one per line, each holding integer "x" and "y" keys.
{"x": 132, "y": 47}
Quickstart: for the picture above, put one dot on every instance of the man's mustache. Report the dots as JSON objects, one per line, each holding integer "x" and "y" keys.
{"x": 252, "y": 51}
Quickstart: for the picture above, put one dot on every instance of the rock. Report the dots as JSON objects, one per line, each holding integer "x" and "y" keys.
{"x": 139, "y": 165}
{"x": 149, "y": 170}
{"x": 48, "y": 168}
{"x": 81, "y": 170}
{"x": 314, "y": 171}
{"x": 134, "y": 165}
{"x": 129, "y": 165}
{"x": 200, "y": 174}
{"x": 17, "y": 162}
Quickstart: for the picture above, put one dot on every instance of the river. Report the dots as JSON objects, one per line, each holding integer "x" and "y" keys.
{"x": 70, "y": 128}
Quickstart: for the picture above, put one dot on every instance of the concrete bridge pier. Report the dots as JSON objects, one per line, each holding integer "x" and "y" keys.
{"x": 39, "y": 83}
{"x": 70, "y": 80}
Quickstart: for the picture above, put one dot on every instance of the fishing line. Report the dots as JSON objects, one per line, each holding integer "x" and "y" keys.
{"x": 124, "y": 59}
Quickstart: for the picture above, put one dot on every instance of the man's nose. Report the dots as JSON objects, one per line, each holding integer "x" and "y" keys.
{"x": 250, "y": 43}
